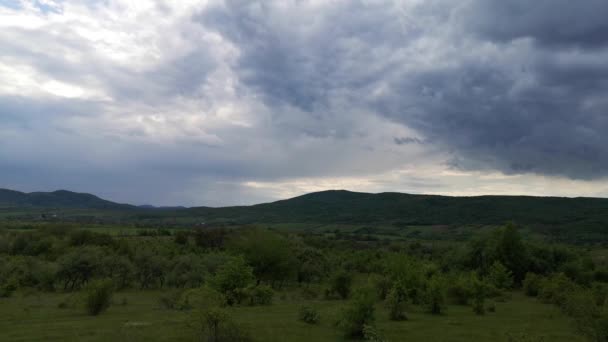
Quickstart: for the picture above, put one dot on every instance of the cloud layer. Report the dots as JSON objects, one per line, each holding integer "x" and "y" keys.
{"x": 234, "y": 102}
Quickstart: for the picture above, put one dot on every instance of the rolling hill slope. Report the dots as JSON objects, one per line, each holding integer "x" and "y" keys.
{"x": 57, "y": 199}
{"x": 338, "y": 206}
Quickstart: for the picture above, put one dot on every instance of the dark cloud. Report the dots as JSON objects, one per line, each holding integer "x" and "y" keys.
{"x": 548, "y": 22}
{"x": 519, "y": 108}
{"x": 272, "y": 91}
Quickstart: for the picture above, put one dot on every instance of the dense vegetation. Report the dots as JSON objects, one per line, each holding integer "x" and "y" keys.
{"x": 209, "y": 279}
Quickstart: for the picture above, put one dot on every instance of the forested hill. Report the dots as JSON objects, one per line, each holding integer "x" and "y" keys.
{"x": 338, "y": 206}
{"x": 56, "y": 199}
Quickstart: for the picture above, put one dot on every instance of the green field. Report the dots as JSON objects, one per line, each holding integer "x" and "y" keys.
{"x": 37, "y": 317}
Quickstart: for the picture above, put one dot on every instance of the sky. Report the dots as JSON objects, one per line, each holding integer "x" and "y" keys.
{"x": 238, "y": 101}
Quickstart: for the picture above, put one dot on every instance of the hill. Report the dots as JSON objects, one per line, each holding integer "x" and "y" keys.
{"x": 339, "y": 206}
{"x": 57, "y": 199}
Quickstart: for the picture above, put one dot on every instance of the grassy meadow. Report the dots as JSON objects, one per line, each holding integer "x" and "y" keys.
{"x": 138, "y": 316}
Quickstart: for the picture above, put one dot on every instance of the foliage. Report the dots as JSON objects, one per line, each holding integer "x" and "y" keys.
{"x": 460, "y": 288}
{"x": 99, "y": 296}
{"x": 358, "y": 314}
{"x": 211, "y": 321}
{"x": 78, "y": 266}
{"x": 532, "y": 284}
{"x": 232, "y": 278}
{"x": 308, "y": 314}
{"x": 434, "y": 296}
{"x": 396, "y": 301}
{"x": 186, "y": 271}
{"x": 371, "y": 333}
{"x": 500, "y": 277}
{"x": 150, "y": 269}
{"x": 340, "y": 285}
{"x": 259, "y": 295}
{"x": 480, "y": 290}
{"x": 268, "y": 253}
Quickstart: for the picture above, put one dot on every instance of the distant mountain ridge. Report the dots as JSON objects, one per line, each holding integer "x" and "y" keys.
{"x": 56, "y": 199}
{"x": 340, "y": 206}
{"x": 346, "y": 207}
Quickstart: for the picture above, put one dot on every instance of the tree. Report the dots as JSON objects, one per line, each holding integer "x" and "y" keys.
{"x": 268, "y": 253}
{"x": 232, "y": 278}
{"x": 512, "y": 252}
{"x": 150, "y": 269}
{"x": 78, "y": 266}
{"x": 312, "y": 264}
{"x": 186, "y": 270}
{"x": 120, "y": 269}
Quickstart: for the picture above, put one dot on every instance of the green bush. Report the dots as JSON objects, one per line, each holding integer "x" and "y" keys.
{"x": 480, "y": 291}
{"x": 371, "y": 333}
{"x": 434, "y": 296}
{"x": 459, "y": 289}
{"x": 99, "y": 296}
{"x": 309, "y": 315}
{"x": 532, "y": 283}
{"x": 231, "y": 280}
{"x": 396, "y": 302}
{"x": 358, "y": 314}
{"x": 555, "y": 289}
{"x": 8, "y": 288}
{"x": 500, "y": 277}
{"x": 214, "y": 324}
{"x": 383, "y": 286}
{"x": 171, "y": 299}
{"x": 340, "y": 285}
{"x": 209, "y": 319}
{"x": 259, "y": 295}
{"x": 309, "y": 293}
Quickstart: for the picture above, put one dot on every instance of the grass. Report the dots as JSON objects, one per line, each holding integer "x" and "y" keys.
{"x": 37, "y": 317}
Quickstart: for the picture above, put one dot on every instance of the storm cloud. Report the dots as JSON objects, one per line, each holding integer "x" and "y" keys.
{"x": 232, "y": 102}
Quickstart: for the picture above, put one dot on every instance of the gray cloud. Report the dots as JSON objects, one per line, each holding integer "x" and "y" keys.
{"x": 555, "y": 23}
{"x": 189, "y": 103}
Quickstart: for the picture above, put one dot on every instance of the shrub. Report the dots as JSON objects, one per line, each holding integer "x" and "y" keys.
{"x": 396, "y": 301}
{"x": 435, "y": 296}
{"x": 259, "y": 295}
{"x": 371, "y": 333}
{"x": 556, "y": 288}
{"x": 309, "y": 315}
{"x": 491, "y": 307}
{"x": 383, "y": 286}
{"x": 209, "y": 318}
{"x": 358, "y": 314}
{"x": 171, "y": 299}
{"x": 309, "y": 293}
{"x": 480, "y": 290}
{"x": 7, "y": 289}
{"x": 340, "y": 285}
{"x": 231, "y": 280}
{"x": 532, "y": 284}
{"x": 500, "y": 277}
{"x": 99, "y": 296}
{"x": 459, "y": 289}
{"x": 214, "y": 324}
